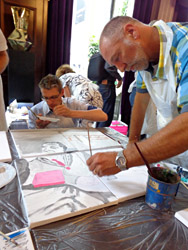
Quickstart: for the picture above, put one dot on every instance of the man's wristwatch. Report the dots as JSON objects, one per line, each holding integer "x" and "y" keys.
{"x": 121, "y": 161}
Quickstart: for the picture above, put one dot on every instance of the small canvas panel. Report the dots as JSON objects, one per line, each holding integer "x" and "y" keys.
{"x": 5, "y": 155}
{"x": 128, "y": 184}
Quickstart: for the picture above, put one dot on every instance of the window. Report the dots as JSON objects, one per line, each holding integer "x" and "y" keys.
{"x": 89, "y": 18}
{"x": 80, "y": 11}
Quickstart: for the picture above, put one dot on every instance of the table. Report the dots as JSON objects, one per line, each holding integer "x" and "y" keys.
{"x": 129, "y": 225}
{"x": 16, "y": 120}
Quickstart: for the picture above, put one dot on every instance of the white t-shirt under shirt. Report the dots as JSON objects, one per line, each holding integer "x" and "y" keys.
{"x": 3, "y": 125}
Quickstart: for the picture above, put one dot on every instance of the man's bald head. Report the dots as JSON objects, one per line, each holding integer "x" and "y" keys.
{"x": 113, "y": 30}
{"x": 129, "y": 44}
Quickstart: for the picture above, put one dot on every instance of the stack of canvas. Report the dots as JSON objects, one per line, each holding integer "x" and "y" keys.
{"x": 56, "y": 181}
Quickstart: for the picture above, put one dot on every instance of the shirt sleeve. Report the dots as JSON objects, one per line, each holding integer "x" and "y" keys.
{"x": 112, "y": 70}
{"x": 74, "y": 104}
{"x": 140, "y": 84}
{"x": 182, "y": 90}
{"x": 31, "y": 121}
{"x": 65, "y": 80}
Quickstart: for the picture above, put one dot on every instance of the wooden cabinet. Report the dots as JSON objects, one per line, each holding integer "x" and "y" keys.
{"x": 37, "y": 31}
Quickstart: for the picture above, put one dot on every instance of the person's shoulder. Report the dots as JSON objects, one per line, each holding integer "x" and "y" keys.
{"x": 38, "y": 106}
{"x": 75, "y": 104}
{"x": 69, "y": 100}
{"x": 67, "y": 75}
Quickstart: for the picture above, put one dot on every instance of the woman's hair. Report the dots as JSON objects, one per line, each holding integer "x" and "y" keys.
{"x": 64, "y": 69}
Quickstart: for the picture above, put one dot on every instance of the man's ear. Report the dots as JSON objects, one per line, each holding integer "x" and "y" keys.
{"x": 62, "y": 92}
{"x": 131, "y": 31}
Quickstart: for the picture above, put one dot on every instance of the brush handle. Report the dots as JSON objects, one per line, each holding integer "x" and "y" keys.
{"x": 9, "y": 239}
{"x": 147, "y": 164}
{"x": 33, "y": 112}
{"x": 89, "y": 139}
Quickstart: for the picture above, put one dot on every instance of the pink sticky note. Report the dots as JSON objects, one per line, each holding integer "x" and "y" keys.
{"x": 115, "y": 122}
{"x": 48, "y": 178}
{"x": 121, "y": 129}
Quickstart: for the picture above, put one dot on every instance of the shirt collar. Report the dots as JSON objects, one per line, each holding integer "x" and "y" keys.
{"x": 165, "y": 46}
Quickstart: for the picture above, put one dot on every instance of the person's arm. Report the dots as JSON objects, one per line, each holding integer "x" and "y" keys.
{"x": 119, "y": 84}
{"x": 169, "y": 141}
{"x": 112, "y": 70}
{"x": 31, "y": 120}
{"x": 67, "y": 92}
{"x": 137, "y": 116}
{"x": 4, "y": 60}
{"x": 91, "y": 115}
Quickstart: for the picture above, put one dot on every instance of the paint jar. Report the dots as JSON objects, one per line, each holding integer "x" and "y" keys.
{"x": 162, "y": 189}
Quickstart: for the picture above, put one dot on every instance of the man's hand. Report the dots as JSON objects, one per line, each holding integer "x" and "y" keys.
{"x": 40, "y": 123}
{"x": 62, "y": 110}
{"x": 119, "y": 83}
{"x": 103, "y": 164}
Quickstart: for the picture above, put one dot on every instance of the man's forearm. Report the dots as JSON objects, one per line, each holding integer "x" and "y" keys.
{"x": 168, "y": 142}
{"x": 137, "y": 116}
{"x": 91, "y": 115}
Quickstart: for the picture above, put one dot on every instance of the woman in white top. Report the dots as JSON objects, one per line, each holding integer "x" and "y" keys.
{"x": 79, "y": 86}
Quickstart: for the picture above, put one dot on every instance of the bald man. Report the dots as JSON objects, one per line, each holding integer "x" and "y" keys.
{"x": 159, "y": 55}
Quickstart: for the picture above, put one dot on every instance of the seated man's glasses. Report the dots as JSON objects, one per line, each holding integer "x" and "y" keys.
{"x": 50, "y": 98}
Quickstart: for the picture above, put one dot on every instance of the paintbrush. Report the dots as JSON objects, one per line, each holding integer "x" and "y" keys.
{"x": 89, "y": 139}
{"x": 33, "y": 112}
{"x": 184, "y": 184}
{"x": 146, "y": 163}
{"x": 9, "y": 239}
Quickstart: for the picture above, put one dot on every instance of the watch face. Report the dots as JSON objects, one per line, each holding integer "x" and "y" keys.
{"x": 121, "y": 161}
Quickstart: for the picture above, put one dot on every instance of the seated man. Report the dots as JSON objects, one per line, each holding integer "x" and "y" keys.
{"x": 68, "y": 110}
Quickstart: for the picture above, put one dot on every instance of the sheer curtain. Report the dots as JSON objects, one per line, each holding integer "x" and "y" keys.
{"x": 58, "y": 34}
{"x": 142, "y": 11}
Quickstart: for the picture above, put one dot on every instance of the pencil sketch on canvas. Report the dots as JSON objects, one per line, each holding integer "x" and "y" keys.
{"x": 34, "y": 142}
{"x": 75, "y": 191}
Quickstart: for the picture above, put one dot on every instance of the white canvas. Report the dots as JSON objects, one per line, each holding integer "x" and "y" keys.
{"x": 182, "y": 216}
{"x": 5, "y": 155}
{"x": 31, "y": 143}
{"x": 128, "y": 184}
{"x": 22, "y": 237}
{"x": 82, "y": 191}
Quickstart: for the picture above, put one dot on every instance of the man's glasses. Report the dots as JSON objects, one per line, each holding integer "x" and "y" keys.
{"x": 50, "y": 98}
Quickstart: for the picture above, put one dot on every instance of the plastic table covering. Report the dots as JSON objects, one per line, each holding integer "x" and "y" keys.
{"x": 129, "y": 225}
